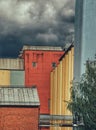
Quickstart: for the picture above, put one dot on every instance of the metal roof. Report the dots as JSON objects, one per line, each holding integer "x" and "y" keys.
{"x": 19, "y": 97}
{"x": 49, "y": 48}
{"x": 12, "y": 64}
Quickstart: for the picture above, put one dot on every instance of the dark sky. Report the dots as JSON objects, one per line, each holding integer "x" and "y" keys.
{"x": 34, "y": 22}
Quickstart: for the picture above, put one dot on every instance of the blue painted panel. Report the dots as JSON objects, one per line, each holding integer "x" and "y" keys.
{"x": 17, "y": 78}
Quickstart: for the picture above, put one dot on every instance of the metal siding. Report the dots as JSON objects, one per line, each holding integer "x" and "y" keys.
{"x": 59, "y": 90}
{"x": 70, "y": 77}
{"x": 17, "y": 78}
{"x": 55, "y": 95}
{"x": 61, "y": 93}
{"x": 51, "y": 92}
{"x": 63, "y": 84}
{"x": 51, "y": 96}
{"x": 55, "y": 91}
{"x": 4, "y": 78}
{"x": 72, "y": 64}
{"x": 6, "y": 63}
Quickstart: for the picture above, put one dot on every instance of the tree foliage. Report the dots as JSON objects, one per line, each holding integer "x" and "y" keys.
{"x": 83, "y": 97}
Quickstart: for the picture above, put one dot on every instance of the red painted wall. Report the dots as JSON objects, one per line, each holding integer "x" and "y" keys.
{"x": 12, "y": 118}
{"x": 40, "y": 74}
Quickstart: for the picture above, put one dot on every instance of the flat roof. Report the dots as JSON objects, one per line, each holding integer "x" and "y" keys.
{"x": 40, "y": 48}
{"x": 26, "y": 47}
{"x": 19, "y": 96}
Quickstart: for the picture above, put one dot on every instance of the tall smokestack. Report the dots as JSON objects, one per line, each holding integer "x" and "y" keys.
{"x": 85, "y": 34}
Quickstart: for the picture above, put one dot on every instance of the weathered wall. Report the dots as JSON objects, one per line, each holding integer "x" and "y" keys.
{"x": 39, "y": 75}
{"x": 15, "y": 118}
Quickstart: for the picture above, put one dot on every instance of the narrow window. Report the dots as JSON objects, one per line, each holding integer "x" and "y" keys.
{"x": 34, "y": 64}
{"x": 53, "y": 64}
{"x": 49, "y": 104}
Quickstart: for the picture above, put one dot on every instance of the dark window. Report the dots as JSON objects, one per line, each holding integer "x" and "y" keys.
{"x": 49, "y": 104}
{"x": 53, "y": 64}
{"x": 34, "y": 64}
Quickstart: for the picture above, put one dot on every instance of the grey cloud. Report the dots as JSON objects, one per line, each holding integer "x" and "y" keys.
{"x": 30, "y": 21}
{"x": 47, "y": 38}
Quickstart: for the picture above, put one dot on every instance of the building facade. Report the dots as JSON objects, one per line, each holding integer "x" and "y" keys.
{"x": 38, "y": 63}
{"x": 61, "y": 83}
{"x": 12, "y": 78}
{"x": 31, "y": 68}
{"x": 19, "y": 109}
{"x": 85, "y": 30}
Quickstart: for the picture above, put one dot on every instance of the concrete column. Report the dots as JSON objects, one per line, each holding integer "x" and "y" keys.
{"x": 85, "y": 35}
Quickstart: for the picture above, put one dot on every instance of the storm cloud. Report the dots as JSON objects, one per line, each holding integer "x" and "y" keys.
{"x": 34, "y": 22}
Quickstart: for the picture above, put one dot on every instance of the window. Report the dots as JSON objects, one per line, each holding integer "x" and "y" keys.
{"x": 34, "y": 64}
{"x": 53, "y": 64}
{"x": 49, "y": 104}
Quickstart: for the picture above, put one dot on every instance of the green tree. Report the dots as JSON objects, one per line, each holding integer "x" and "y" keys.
{"x": 83, "y": 97}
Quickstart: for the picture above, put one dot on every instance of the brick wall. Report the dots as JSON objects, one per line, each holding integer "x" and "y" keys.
{"x": 39, "y": 75}
{"x": 12, "y": 118}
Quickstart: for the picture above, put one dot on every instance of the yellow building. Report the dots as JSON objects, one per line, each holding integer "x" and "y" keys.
{"x": 61, "y": 82}
{"x": 4, "y": 78}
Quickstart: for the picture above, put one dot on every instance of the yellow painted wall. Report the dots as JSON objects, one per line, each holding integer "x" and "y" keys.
{"x": 61, "y": 82}
{"x": 4, "y": 78}
{"x": 51, "y": 95}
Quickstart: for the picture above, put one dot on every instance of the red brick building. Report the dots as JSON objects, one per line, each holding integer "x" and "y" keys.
{"x": 19, "y": 109}
{"x": 38, "y": 63}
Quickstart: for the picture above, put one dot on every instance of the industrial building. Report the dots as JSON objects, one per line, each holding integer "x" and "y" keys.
{"x": 38, "y": 63}
{"x": 51, "y": 70}
{"x": 19, "y": 108}
{"x": 12, "y": 78}
{"x": 12, "y": 72}
{"x": 33, "y": 67}
{"x": 61, "y": 83}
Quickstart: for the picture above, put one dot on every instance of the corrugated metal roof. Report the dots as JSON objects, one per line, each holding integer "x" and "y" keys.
{"x": 8, "y": 63}
{"x": 19, "y": 97}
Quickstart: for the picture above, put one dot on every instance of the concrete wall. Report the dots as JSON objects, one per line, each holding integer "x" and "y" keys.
{"x": 85, "y": 34}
